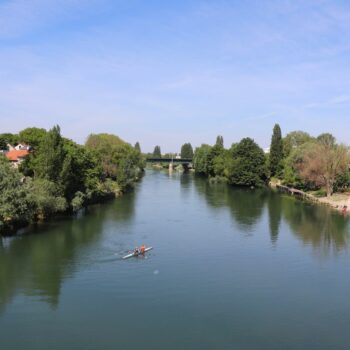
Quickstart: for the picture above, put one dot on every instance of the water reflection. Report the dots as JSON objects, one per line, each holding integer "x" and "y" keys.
{"x": 36, "y": 264}
{"x": 274, "y": 203}
{"x": 245, "y": 205}
{"x": 323, "y": 228}
{"x": 326, "y": 230}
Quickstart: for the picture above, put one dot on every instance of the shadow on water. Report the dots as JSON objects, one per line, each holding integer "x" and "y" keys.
{"x": 245, "y": 205}
{"x": 37, "y": 263}
{"x": 321, "y": 227}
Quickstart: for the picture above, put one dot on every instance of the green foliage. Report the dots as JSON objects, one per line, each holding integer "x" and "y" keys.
{"x": 187, "y": 151}
{"x": 50, "y": 156}
{"x": 137, "y": 147}
{"x": 200, "y": 159}
{"x": 217, "y": 151}
{"x": 294, "y": 140}
{"x": 78, "y": 201}
{"x": 14, "y": 203}
{"x": 103, "y": 141}
{"x": 45, "y": 198}
{"x": 276, "y": 151}
{"x": 326, "y": 139}
{"x": 220, "y": 163}
{"x": 60, "y": 175}
{"x": 12, "y": 139}
{"x": 220, "y": 141}
{"x": 247, "y": 167}
{"x": 3, "y": 144}
{"x": 157, "y": 152}
{"x": 119, "y": 161}
{"x": 32, "y": 136}
{"x": 342, "y": 182}
{"x": 291, "y": 176}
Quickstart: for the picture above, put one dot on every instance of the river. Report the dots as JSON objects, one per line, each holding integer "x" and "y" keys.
{"x": 231, "y": 268}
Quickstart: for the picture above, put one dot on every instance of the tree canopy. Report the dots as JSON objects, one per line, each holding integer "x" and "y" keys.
{"x": 219, "y": 141}
{"x": 137, "y": 147}
{"x": 187, "y": 151}
{"x": 157, "y": 152}
{"x": 276, "y": 151}
{"x": 248, "y": 164}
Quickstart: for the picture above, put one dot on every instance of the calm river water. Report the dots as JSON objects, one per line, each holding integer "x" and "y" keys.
{"x": 231, "y": 269}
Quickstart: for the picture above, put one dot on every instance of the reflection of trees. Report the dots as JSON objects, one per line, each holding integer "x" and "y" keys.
{"x": 274, "y": 204}
{"x": 245, "y": 205}
{"x": 317, "y": 225}
{"x": 37, "y": 264}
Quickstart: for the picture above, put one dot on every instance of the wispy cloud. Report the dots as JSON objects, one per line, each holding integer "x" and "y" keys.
{"x": 337, "y": 100}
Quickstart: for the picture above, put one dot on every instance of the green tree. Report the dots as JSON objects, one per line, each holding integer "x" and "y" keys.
{"x": 201, "y": 159}
{"x": 3, "y": 144}
{"x": 157, "y": 152}
{"x": 32, "y": 136}
{"x": 276, "y": 151}
{"x": 137, "y": 147}
{"x": 247, "y": 167}
{"x": 219, "y": 141}
{"x": 294, "y": 140}
{"x": 327, "y": 140}
{"x": 187, "y": 151}
{"x": 45, "y": 197}
{"x": 119, "y": 161}
{"x": 14, "y": 203}
{"x": 12, "y": 139}
{"x": 50, "y": 156}
{"x": 323, "y": 162}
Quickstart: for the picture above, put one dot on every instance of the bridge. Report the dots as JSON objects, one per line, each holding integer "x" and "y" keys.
{"x": 171, "y": 161}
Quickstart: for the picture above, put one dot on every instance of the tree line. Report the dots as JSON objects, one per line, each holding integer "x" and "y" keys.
{"x": 61, "y": 176}
{"x": 298, "y": 160}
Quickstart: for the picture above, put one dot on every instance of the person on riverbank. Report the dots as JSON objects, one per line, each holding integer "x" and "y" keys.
{"x": 345, "y": 209}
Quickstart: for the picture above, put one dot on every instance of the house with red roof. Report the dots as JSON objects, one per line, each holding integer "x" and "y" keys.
{"x": 16, "y": 156}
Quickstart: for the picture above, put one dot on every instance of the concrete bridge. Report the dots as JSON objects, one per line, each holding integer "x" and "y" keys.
{"x": 186, "y": 162}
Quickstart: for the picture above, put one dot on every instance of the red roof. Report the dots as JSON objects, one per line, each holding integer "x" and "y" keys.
{"x": 14, "y": 155}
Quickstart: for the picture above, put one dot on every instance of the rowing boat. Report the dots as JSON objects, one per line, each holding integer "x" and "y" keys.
{"x": 133, "y": 254}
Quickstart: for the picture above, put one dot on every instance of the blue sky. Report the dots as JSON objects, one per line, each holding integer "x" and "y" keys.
{"x": 169, "y": 72}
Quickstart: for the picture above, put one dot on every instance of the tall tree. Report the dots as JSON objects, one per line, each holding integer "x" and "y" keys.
{"x": 137, "y": 146}
{"x": 323, "y": 162}
{"x": 219, "y": 141}
{"x": 187, "y": 151}
{"x": 247, "y": 167}
{"x": 50, "y": 155}
{"x": 157, "y": 152}
{"x": 276, "y": 150}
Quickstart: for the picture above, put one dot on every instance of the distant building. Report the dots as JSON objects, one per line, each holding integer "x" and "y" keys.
{"x": 15, "y": 156}
{"x": 22, "y": 146}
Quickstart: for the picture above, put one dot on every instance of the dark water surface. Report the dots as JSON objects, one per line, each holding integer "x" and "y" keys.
{"x": 231, "y": 269}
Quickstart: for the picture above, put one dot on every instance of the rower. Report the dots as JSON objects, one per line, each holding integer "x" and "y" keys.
{"x": 142, "y": 249}
{"x": 136, "y": 251}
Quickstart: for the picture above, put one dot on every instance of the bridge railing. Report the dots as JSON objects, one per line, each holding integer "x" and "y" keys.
{"x": 169, "y": 160}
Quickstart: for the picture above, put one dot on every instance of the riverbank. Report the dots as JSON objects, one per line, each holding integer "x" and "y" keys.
{"x": 338, "y": 201}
